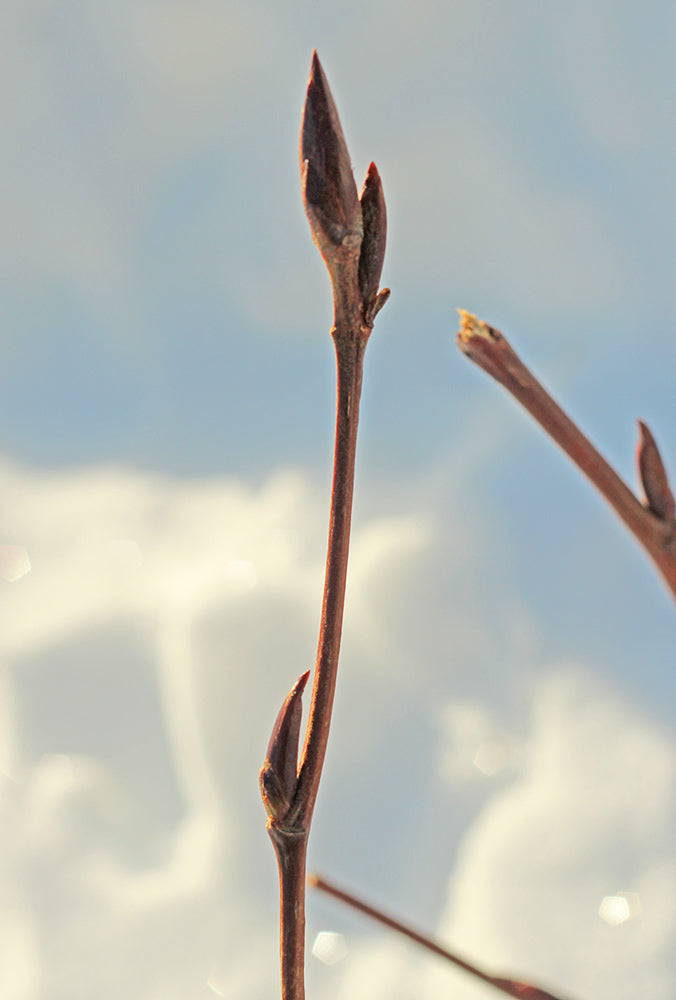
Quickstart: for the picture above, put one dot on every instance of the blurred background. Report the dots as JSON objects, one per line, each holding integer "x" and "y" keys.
{"x": 502, "y": 765}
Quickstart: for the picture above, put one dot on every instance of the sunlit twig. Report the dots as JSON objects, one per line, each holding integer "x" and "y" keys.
{"x": 512, "y": 987}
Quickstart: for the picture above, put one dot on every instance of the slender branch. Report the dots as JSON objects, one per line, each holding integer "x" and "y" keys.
{"x": 291, "y": 851}
{"x": 290, "y": 835}
{"x": 350, "y": 347}
{"x": 512, "y": 987}
{"x": 491, "y": 351}
{"x": 350, "y": 232}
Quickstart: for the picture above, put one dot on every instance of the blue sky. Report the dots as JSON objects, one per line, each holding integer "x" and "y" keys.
{"x": 167, "y": 412}
{"x": 159, "y": 285}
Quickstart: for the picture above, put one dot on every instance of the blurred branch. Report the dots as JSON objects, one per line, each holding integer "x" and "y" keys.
{"x": 652, "y": 524}
{"x": 350, "y": 232}
{"x": 512, "y": 987}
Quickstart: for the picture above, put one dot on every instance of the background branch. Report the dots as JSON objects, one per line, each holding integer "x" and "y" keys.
{"x": 653, "y": 524}
{"x": 512, "y": 987}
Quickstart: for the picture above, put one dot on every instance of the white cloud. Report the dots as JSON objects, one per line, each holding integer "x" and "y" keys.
{"x": 143, "y": 660}
{"x": 377, "y": 968}
{"x": 589, "y": 817}
{"x": 592, "y": 814}
{"x": 474, "y": 743}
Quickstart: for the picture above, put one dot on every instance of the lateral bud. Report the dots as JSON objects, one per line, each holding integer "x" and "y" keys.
{"x": 372, "y": 255}
{"x": 279, "y": 774}
{"x": 653, "y": 476}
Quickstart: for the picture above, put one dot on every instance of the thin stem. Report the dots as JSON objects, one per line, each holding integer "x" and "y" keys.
{"x": 491, "y": 351}
{"x": 511, "y": 987}
{"x": 290, "y": 835}
{"x": 350, "y": 232}
{"x": 291, "y": 851}
{"x": 350, "y": 359}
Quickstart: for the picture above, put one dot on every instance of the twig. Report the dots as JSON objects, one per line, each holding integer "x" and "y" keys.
{"x": 652, "y": 524}
{"x": 512, "y": 987}
{"x": 350, "y": 232}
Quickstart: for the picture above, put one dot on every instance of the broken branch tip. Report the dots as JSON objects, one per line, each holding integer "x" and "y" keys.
{"x": 471, "y": 326}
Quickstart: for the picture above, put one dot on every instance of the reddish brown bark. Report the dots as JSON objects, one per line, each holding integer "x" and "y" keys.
{"x": 653, "y": 528}
{"x": 350, "y": 233}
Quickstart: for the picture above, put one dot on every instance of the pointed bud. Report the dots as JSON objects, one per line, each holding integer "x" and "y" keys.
{"x": 653, "y": 476}
{"x": 374, "y": 216}
{"x": 329, "y": 190}
{"x": 279, "y": 774}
